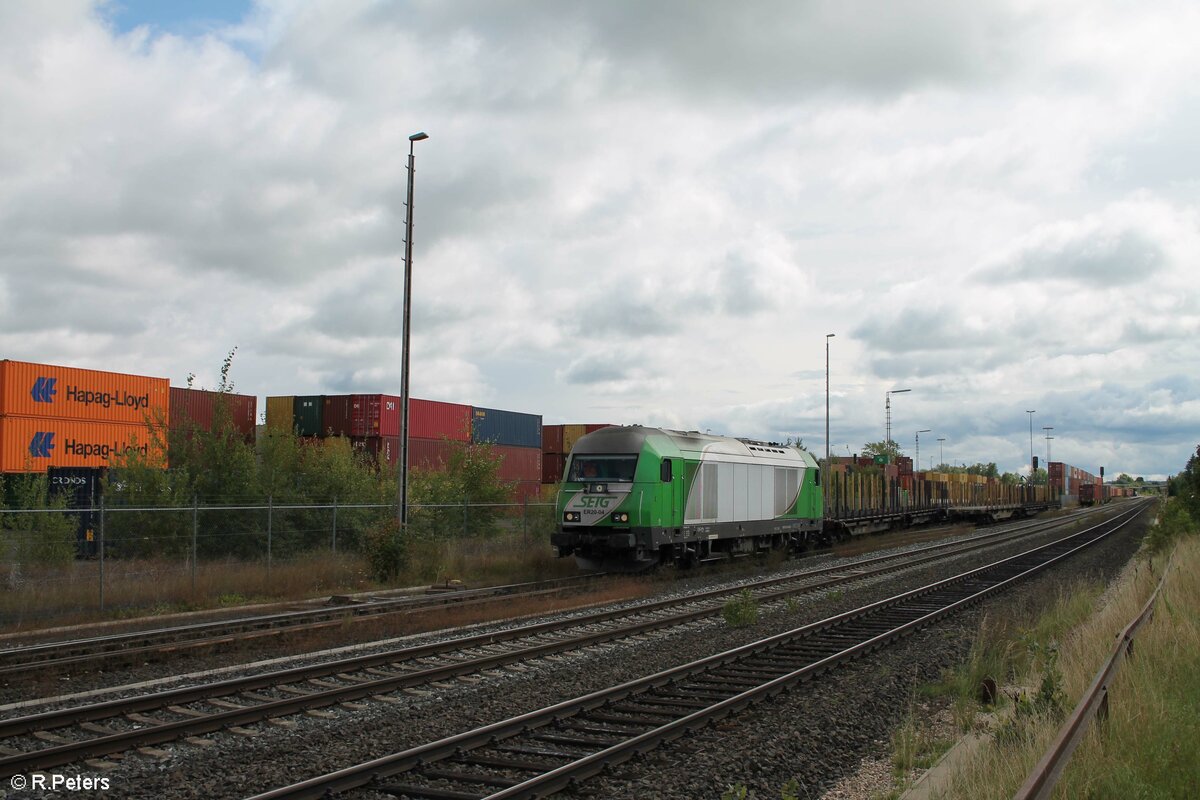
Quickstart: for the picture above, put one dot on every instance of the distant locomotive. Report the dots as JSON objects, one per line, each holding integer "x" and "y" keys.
{"x": 633, "y": 497}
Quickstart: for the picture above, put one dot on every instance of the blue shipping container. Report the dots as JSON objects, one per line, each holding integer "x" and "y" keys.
{"x": 506, "y": 427}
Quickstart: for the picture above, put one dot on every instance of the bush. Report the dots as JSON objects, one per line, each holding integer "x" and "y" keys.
{"x": 386, "y": 550}
{"x": 740, "y": 610}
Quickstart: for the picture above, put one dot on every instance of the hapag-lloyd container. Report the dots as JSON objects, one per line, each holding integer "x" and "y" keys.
{"x": 196, "y": 408}
{"x": 44, "y": 390}
{"x": 33, "y": 444}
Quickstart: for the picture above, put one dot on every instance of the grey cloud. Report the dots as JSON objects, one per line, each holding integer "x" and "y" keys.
{"x": 1101, "y": 258}
{"x": 585, "y": 371}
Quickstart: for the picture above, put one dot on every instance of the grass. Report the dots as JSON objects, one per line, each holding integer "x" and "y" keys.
{"x": 1150, "y": 746}
{"x": 143, "y": 587}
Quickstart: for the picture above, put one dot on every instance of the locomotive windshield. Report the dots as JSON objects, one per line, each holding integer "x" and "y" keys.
{"x": 585, "y": 468}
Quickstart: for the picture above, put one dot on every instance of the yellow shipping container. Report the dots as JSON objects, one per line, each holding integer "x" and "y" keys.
{"x": 279, "y": 413}
{"x": 571, "y": 435}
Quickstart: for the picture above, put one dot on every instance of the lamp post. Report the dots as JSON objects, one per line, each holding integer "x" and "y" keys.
{"x": 828, "y": 336}
{"x": 408, "y": 241}
{"x": 918, "y": 459}
{"x": 1047, "y": 429}
{"x": 887, "y": 413}
{"x": 1030, "y": 413}
{"x": 941, "y": 455}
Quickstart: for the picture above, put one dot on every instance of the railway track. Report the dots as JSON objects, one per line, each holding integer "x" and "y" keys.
{"x": 544, "y": 751}
{"x": 60, "y": 736}
{"x": 146, "y": 644}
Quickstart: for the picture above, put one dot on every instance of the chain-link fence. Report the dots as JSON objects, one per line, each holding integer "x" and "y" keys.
{"x": 54, "y": 560}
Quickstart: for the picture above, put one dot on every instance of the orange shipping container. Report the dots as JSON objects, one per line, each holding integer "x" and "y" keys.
{"x": 42, "y": 390}
{"x": 30, "y": 444}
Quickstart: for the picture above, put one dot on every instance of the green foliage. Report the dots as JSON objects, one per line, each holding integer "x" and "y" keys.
{"x": 1173, "y": 523}
{"x": 1186, "y": 486}
{"x": 740, "y": 610}
{"x": 873, "y": 449}
{"x": 471, "y": 476}
{"x": 42, "y": 539}
{"x": 386, "y": 550}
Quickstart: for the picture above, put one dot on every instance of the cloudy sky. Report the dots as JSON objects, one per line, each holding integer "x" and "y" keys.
{"x": 628, "y": 212}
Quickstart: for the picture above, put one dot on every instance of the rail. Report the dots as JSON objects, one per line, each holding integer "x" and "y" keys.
{"x": 1045, "y": 775}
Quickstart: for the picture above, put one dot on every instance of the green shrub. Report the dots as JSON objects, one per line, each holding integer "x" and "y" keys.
{"x": 740, "y": 610}
{"x": 386, "y": 550}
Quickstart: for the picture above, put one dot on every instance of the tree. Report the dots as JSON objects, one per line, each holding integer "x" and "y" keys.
{"x": 44, "y": 539}
{"x": 889, "y": 449}
{"x": 471, "y": 478}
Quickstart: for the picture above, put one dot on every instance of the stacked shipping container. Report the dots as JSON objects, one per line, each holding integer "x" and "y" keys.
{"x": 557, "y": 441}
{"x": 517, "y": 439}
{"x": 372, "y": 424}
{"x": 53, "y": 416}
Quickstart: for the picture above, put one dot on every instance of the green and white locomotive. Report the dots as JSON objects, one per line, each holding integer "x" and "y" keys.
{"x": 633, "y": 497}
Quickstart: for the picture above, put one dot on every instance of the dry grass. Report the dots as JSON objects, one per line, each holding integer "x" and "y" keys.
{"x": 31, "y": 600}
{"x": 1152, "y": 732}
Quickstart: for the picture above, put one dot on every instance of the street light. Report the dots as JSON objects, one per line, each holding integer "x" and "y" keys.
{"x": 1030, "y": 413}
{"x": 923, "y": 430}
{"x": 828, "y": 336}
{"x": 941, "y": 456}
{"x": 887, "y": 412}
{"x": 1047, "y": 429}
{"x": 408, "y": 240}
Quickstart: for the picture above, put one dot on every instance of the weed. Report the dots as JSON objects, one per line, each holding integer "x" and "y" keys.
{"x": 792, "y": 605}
{"x": 740, "y": 610}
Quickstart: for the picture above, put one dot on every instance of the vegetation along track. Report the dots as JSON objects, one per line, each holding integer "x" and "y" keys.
{"x": 539, "y": 753}
{"x": 64, "y": 735}
{"x": 147, "y": 645}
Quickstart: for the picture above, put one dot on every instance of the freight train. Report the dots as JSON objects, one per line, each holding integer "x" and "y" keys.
{"x": 635, "y": 497}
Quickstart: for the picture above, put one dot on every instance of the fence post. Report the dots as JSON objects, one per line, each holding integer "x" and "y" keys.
{"x": 195, "y": 532}
{"x": 464, "y": 516}
{"x": 333, "y": 547}
{"x": 270, "y": 523}
{"x": 101, "y": 552}
{"x": 525, "y": 520}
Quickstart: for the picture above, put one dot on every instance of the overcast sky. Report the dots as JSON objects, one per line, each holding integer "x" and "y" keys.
{"x": 629, "y": 212}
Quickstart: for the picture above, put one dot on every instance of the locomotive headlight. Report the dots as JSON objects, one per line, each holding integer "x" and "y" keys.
{"x": 620, "y": 516}
{"x": 571, "y": 516}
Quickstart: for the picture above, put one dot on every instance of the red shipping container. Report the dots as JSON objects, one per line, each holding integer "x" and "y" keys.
{"x": 552, "y": 438}
{"x": 336, "y": 416}
{"x": 197, "y": 408}
{"x": 433, "y": 419}
{"x": 528, "y": 492}
{"x": 552, "y": 467}
{"x": 519, "y": 463}
{"x": 429, "y": 454}
{"x": 379, "y": 448}
{"x": 594, "y": 428}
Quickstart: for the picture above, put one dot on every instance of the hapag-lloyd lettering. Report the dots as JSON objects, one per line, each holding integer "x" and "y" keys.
{"x": 103, "y": 450}
{"x": 90, "y": 397}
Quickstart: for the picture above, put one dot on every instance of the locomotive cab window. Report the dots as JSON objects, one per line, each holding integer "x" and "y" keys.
{"x": 614, "y": 469}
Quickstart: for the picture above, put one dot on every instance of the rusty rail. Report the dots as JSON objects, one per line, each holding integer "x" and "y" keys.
{"x": 1045, "y": 775}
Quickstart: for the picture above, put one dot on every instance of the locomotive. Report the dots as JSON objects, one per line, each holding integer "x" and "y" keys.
{"x": 634, "y": 497}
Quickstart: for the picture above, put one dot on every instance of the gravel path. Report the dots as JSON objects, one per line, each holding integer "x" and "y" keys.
{"x": 812, "y": 734}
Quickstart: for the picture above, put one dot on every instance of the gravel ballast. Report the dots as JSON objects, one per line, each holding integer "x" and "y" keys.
{"x": 815, "y": 733}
